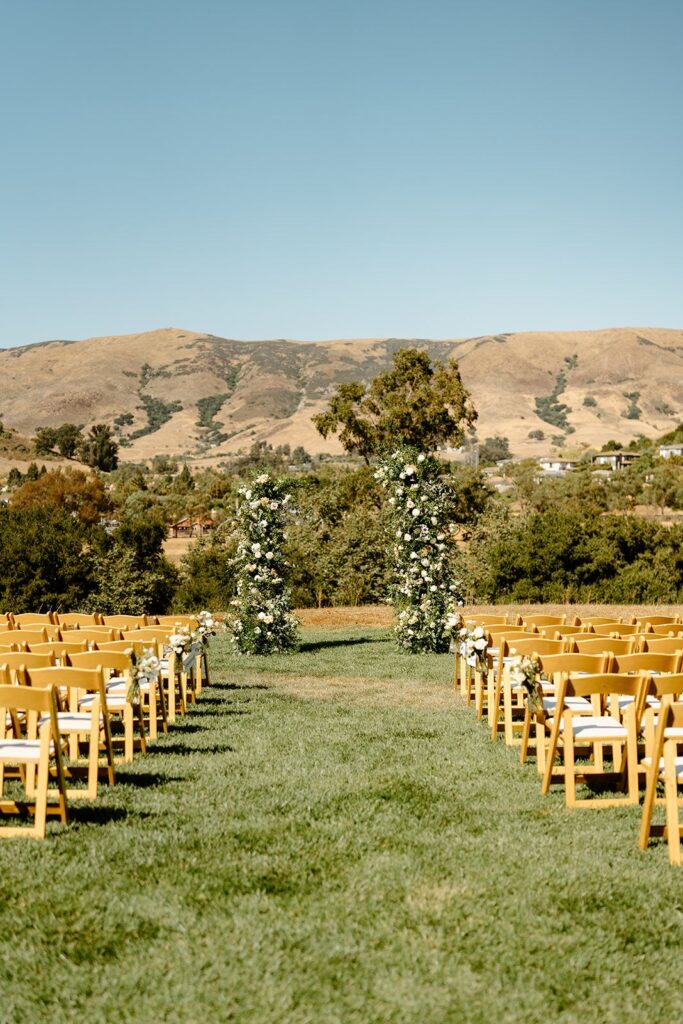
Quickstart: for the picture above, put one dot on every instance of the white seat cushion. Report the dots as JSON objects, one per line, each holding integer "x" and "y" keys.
{"x": 14, "y": 751}
{"x": 595, "y": 727}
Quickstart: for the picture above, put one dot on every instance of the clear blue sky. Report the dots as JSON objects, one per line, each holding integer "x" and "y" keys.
{"x": 316, "y": 169}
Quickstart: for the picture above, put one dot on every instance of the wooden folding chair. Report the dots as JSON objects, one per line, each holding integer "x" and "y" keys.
{"x": 604, "y": 727}
{"x": 667, "y": 629}
{"x": 554, "y": 632}
{"x": 664, "y": 644}
{"x": 666, "y": 766}
{"x": 32, "y": 755}
{"x": 545, "y": 620}
{"x": 152, "y": 697}
{"x": 44, "y": 618}
{"x": 91, "y": 634}
{"x": 69, "y": 620}
{"x": 615, "y": 629}
{"x": 117, "y": 668}
{"x": 24, "y": 636}
{"x": 123, "y": 621}
{"x": 658, "y": 620}
{"x": 72, "y": 686}
{"x": 512, "y": 647}
{"x": 601, "y": 644}
{"x": 60, "y": 649}
{"x": 552, "y": 667}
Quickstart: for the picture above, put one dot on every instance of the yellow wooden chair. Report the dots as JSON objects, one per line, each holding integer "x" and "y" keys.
{"x": 514, "y": 698}
{"x": 619, "y": 629}
{"x": 117, "y": 668}
{"x": 597, "y": 620}
{"x": 664, "y": 644}
{"x": 124, "y": 621}
{"x": 545, "y": 620}
{"x": 91, "y": 634}
{"x": 72, "y": 685}
{"x": 14, "y": 660}
{"x": 605, "y": 727}
{"x": 552, "y": 667}
{"x": 24, "y": 636}
{"x": 667, "y": 629}
{"x": 601, "y": 644}
{"x": 42, "y": 618}
{"x": 666, "y": 766}
{"x": 658, "y": 620}
{"x": 70, "y": 620}
{"x": 152, "y": 698}
{"x": 32, "y": 754}
{"x": 60, "y": 649}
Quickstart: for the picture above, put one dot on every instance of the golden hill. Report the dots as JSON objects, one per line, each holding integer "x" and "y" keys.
{"x": 177, "y": 392}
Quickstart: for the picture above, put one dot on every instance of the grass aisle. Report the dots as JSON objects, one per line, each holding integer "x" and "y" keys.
{"x": 331, "y": 837}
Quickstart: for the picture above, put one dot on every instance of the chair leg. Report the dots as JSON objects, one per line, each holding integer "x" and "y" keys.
{"x": 671, "y": 789}
{"x": 648, "y": 803}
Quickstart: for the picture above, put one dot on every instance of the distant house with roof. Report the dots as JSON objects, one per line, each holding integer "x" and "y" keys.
{"x": 192, "y": 526}
{"x": 552, "y": 465}
{"x": 615, "y": 459}
{"x": 671, "y": 451}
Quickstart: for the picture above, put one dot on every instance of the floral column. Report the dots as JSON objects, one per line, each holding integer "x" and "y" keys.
{"x": 424, "y": 591}
{"x": 263, "y": 622}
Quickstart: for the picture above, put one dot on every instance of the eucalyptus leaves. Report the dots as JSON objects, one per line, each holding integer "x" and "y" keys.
{"x": 424, "y": 591}
{"x": 263, "y": 622}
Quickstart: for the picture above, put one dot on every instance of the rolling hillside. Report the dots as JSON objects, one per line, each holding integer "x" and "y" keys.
{"x": 177, "y": 392}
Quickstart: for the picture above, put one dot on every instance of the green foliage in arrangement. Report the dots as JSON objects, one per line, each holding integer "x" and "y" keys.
{"x": 424, "y": 590}
{"x": 414, "y": 403}
{"x": 262, "y": 622}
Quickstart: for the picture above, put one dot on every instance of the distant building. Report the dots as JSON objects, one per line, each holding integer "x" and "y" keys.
{"x": 554, "y": 466}
{"x": 616, "y": 459}
{"x": 668, "y": 451}
{"x": 192, "y": 526}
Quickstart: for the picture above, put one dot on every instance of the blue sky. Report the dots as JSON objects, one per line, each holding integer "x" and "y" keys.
{"x": 339, "y": 169}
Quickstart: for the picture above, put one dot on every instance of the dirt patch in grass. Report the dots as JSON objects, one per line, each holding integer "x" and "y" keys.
{"x": 379, "y": 615}
{"x": 382, "y": 616}
{"x": 359, "y": 690}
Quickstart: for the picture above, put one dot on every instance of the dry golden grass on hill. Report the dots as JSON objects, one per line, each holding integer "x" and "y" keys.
{"x": 206, "y": 397}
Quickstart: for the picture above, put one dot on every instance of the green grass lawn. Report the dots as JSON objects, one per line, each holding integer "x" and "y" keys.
{"x": 332, "y": 837}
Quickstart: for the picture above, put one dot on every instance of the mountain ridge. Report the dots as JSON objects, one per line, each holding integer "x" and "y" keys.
{"x": 194, "y": 394}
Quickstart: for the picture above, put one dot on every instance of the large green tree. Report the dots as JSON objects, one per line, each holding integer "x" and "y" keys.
{"x": 416, "y": 403}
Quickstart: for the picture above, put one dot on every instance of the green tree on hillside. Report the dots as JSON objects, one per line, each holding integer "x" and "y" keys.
{"x": 99, "y": 449}
{"x": 414, "y": 403}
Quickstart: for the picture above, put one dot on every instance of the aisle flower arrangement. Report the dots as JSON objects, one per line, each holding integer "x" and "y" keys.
{"x": 145, "y": 667}
{"x": 262, "y": 622}
{"x": 424, "y": 592}
{"x": 526, "y": 673}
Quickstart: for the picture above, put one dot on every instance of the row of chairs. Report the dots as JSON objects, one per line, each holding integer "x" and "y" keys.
{"x": 58, "y": 700}
{"x": 602, "y": 700}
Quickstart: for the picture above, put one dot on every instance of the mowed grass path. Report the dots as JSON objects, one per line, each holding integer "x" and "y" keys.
{"x": 332, "y": 837}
